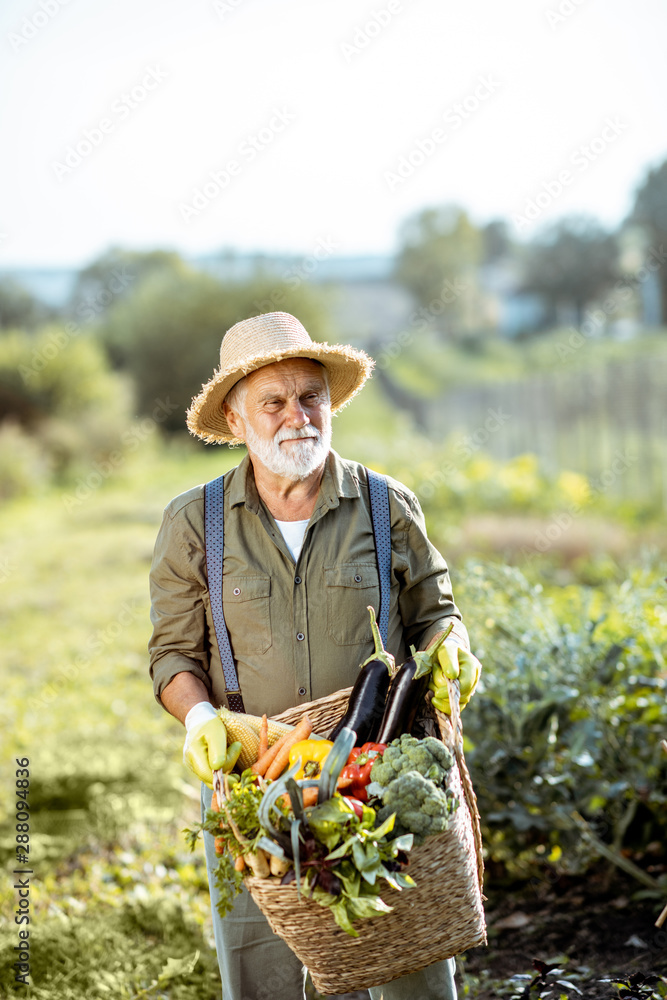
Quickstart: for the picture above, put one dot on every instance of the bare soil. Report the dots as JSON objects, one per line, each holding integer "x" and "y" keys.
{"x": 595, "y": 929}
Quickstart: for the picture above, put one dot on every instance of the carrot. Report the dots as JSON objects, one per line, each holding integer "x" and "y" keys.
{"x": 281, "y": 759}
{"x": 309, "y": 798}
{"x": 262, "y": 763}
{"x": 219, "y": 845}
{"x": 239, "y": 864}
{"x": 214, "y": 802}
{"x": 263, "y": 737}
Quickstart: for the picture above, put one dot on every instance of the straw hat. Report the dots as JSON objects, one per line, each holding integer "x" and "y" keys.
{"x": 263, "y": 340}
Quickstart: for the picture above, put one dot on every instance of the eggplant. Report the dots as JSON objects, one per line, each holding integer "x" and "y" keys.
{"x": 407, "y": 692}
{"x": 366, "y": 704}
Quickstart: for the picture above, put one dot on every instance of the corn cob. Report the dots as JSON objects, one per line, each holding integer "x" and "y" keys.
{"x": 253, "y": 722}
{"x": 239, "y": 731}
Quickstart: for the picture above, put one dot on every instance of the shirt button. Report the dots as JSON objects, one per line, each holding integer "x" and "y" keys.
{"x": 357, "y": 578}
{"x": 300, "y": 636}
{"x": 297, "y": 579}
{"x": 237, "y": 591}
{"x": 302, "y": 691}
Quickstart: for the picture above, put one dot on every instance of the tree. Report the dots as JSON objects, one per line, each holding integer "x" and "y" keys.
{"x": 650, "y": 211}
{"x": 19, "y": 308}
{"x": 496, "y": 241}
{"x": 114, "y": 276}
{"x": 573, "y": 262}
{"x": 438, "y": 260}
{"x": 167, "y": 335}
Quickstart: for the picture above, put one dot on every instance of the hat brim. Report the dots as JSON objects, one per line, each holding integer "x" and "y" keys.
{"x": 347, "y": 370}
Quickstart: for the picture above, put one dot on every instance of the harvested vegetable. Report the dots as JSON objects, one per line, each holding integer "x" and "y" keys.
{"x": 279, "y": 866}
{"x": 258, "y": 863}
{"x": 338, "y": 850}
{"x": 408, "y": 691}
{"x": 254, "y": 722}
{"x": 312, "y": 754}
{"x": 420, "y": 807}
{"x": 263, "y": 737}
{"x": 357, "y": 772}
{"x": 308, "y": 798}
{"x": 366, "y": 704}
{"x": 281, "y": 758}
{"x": 240, "y": 732}
{"x": 429, "y": 757}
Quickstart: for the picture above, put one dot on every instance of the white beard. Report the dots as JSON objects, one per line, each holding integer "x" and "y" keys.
{"x": 295, "y": 461}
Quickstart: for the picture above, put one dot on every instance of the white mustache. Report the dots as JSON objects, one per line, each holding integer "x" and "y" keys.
{"x": 297, "y": 433}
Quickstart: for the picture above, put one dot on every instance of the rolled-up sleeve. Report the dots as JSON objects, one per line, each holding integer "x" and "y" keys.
{"x": 426, "y": 602}
{"x": 178, "y": 615}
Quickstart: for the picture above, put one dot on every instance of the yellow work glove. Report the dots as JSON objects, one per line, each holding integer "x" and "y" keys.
{"x": 455, "y": 662}
{"x": 205, "y": 748}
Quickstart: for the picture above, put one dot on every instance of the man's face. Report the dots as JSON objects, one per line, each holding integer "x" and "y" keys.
{"x": 286, "y": 417}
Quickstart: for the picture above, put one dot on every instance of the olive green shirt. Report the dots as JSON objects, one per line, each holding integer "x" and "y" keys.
{"x": 298, "y": 631}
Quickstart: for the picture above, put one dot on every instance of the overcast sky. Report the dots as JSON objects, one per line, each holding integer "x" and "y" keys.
{"x": 322, "y": 119}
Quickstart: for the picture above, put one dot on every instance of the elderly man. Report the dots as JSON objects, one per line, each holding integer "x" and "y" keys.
{"x": 300, "y": 569}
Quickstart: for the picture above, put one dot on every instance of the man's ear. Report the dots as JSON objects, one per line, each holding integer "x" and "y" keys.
{"x": 235, "y": 422}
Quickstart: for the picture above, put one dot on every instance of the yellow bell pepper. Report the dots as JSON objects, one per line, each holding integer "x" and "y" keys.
{"x": 312, "y": 753}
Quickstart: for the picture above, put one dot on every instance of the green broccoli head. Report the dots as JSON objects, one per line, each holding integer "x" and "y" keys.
{"x": 429, "y": 757}
{"x": 421, "y": 807}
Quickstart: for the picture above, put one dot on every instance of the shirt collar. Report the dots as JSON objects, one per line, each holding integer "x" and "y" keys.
{"x": 337, "y": 481}
{"x": 242, "y": 488}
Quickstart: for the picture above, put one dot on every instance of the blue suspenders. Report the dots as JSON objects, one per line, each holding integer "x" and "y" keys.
{"x": 379, "y": 497}
{"x": 214, "y": 527}
{"x": 215, "y": 532}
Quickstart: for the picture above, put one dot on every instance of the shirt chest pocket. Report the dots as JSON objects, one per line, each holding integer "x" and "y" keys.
{"x": 247, "y": 613}
{"x": 350, "y": 589}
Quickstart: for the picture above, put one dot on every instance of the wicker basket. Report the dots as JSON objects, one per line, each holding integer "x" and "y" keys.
{"x": 441, "y": 917}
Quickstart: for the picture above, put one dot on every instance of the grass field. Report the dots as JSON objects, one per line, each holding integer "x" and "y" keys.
{"x": 115, "y": 894}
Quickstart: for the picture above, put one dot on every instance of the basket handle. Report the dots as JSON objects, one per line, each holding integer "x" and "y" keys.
{"x": 468, "y": 790}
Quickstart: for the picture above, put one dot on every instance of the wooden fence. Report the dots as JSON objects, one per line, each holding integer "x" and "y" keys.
{"x": 609, "y": 423}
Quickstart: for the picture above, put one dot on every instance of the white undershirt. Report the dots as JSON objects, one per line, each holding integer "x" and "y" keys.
{"x": 293, "y": 532}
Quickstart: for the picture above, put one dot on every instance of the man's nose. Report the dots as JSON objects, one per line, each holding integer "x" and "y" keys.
{"x": 296, "y": 414}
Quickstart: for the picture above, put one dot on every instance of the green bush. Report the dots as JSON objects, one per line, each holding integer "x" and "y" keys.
{"x": 61, "y": 408}
{"x": 569, "y": 715}
{"x": 25, "y": 465}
